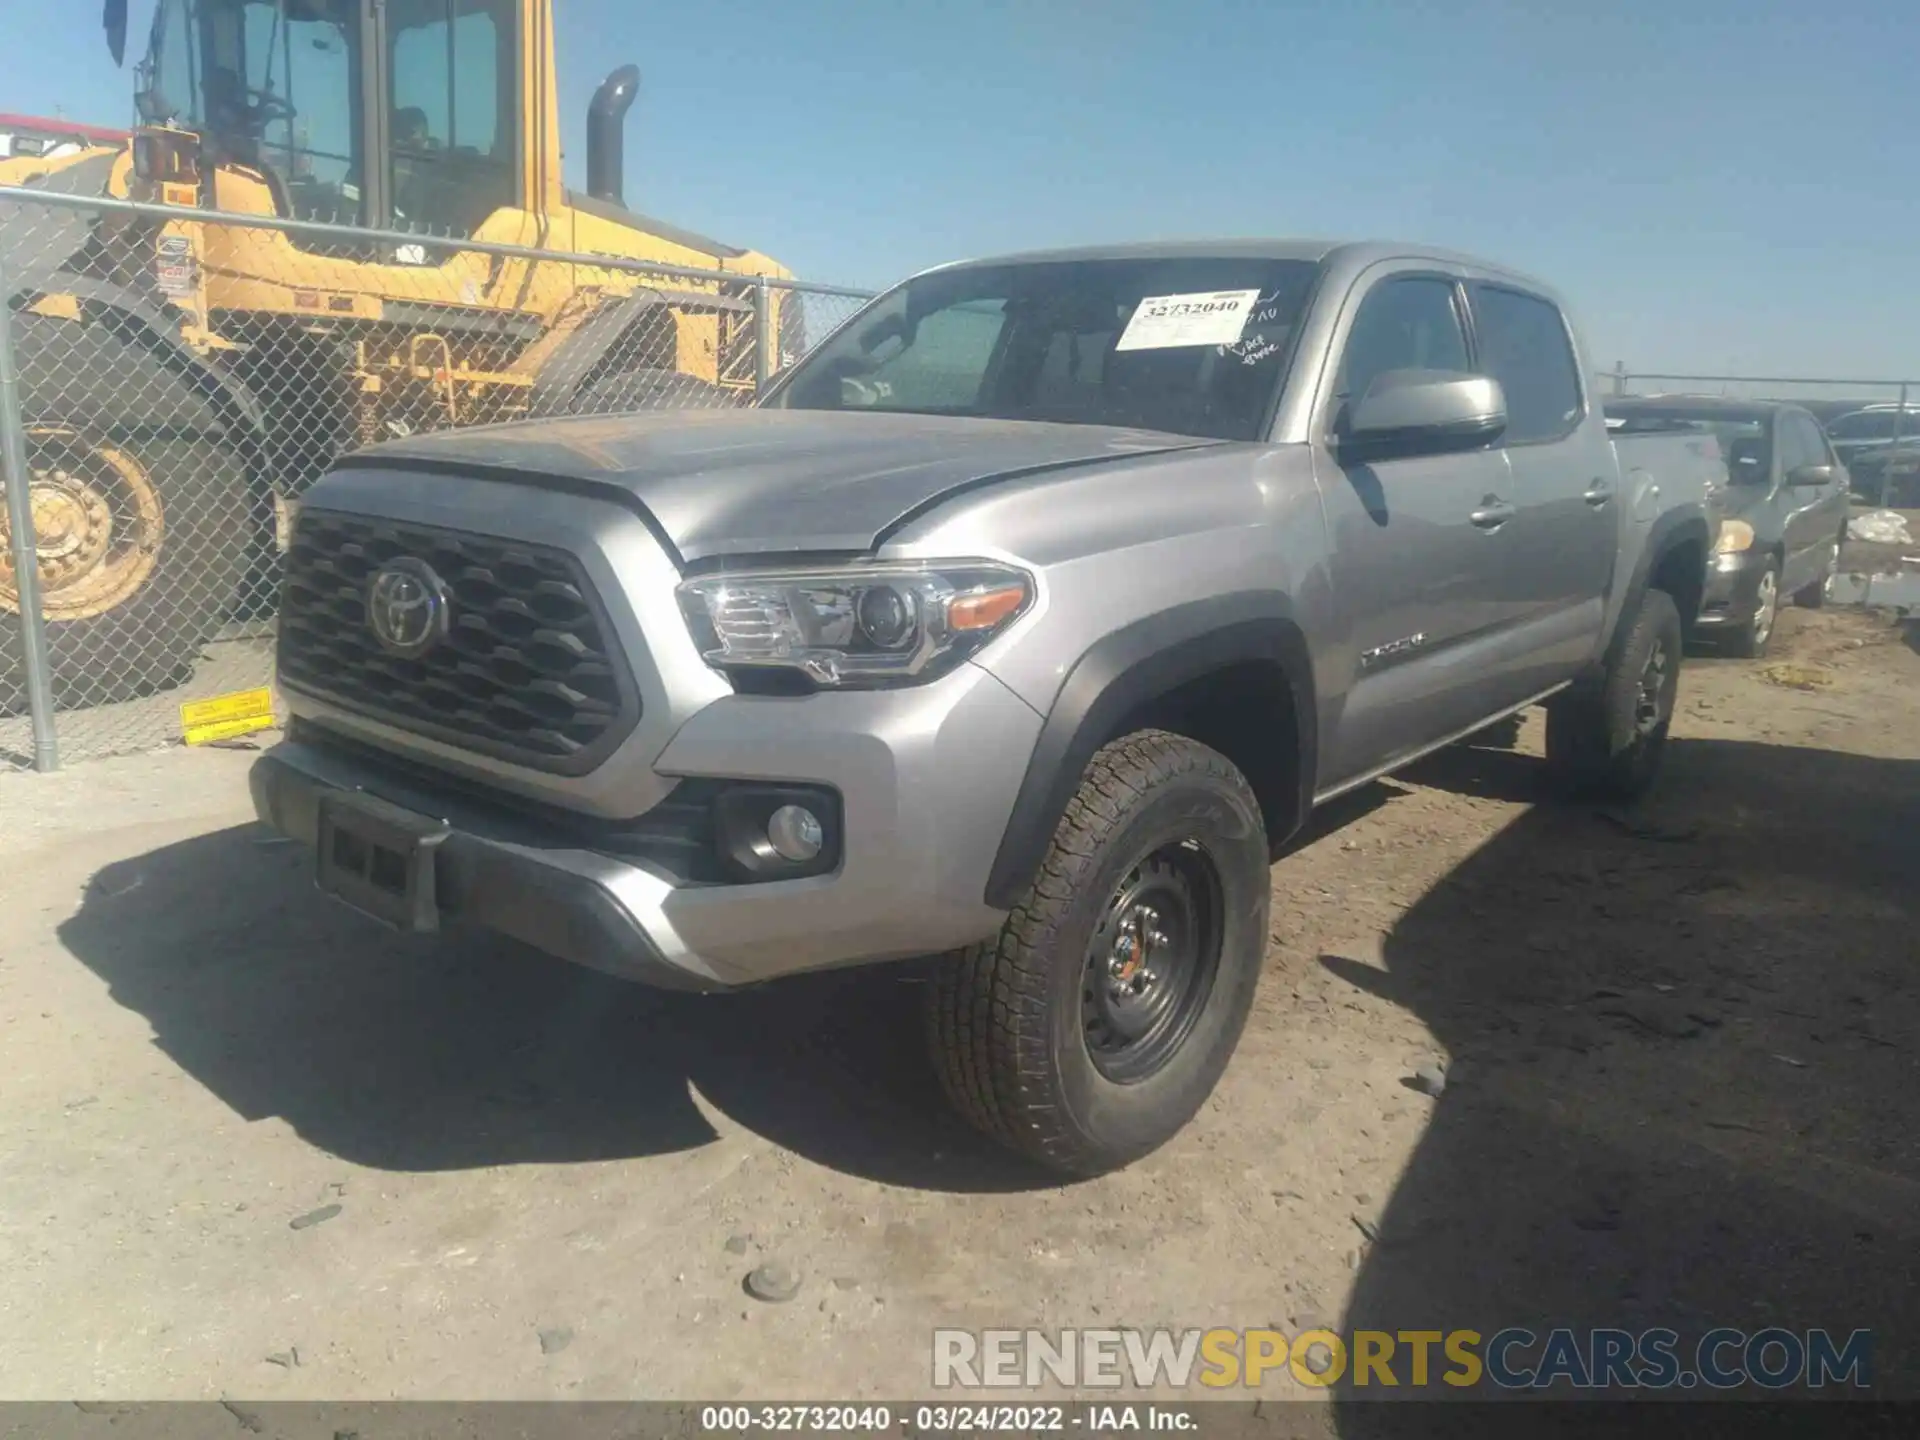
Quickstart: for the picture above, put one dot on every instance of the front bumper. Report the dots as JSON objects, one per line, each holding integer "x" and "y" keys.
{"x": 1731, "y": 590}
{"x": 926, "y": 781}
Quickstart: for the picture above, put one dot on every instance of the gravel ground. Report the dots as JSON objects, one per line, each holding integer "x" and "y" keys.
{"x": 257, "y": 1147}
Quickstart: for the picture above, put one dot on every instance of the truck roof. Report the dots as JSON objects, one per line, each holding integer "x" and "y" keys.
{"x": 1350, "y": 255}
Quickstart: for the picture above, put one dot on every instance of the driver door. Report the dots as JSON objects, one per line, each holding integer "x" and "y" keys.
{"x": 1421, "y": 541}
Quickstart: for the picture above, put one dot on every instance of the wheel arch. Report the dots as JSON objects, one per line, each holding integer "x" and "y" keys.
{"x": 236, "y": 416}
{"x": 1674, "y": 560}
{"x": 1232, "y": 671}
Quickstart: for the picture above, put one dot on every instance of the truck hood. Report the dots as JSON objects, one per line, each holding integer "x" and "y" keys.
{"x": 769, "y": 482}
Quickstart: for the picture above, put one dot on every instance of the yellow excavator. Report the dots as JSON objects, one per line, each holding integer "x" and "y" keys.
{"x": 183, "y": 380}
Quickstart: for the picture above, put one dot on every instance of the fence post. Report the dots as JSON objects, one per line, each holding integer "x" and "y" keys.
{"x": 1886, "y": 470}
{"x": 1619, "y": 377}
{"x": 763, "y": 336}
{"x": 26, "y": 562}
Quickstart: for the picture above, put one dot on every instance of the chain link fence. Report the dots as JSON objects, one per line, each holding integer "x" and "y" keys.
{"x": 172, "y": 381}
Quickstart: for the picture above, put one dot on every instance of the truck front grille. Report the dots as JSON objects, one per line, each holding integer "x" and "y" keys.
{"x": 525, "y": 666}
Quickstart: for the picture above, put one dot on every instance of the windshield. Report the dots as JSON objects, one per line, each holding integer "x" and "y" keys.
{"x": 1745, "y": 441}
{"x": 1194, "y": 346}
{"x": 278, "y": 84}
{"x": 1874, "y": 425}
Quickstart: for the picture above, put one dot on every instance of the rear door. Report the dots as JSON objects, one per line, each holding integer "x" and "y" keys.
{"x": 1417, "y": 574}
{"x": 1565, "y": 480}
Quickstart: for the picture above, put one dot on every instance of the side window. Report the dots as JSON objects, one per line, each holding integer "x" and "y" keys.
{"x": 1805, "y": 445}
{"x": 1524, "y": 345}
{"x": 1817, "y": 446}
{"x": 1409, "y": 323}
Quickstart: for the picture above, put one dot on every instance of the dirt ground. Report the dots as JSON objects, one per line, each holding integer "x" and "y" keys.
{"x": 252, "y": 1146}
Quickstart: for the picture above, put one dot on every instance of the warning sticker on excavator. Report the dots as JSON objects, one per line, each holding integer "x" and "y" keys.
{"x": 240, "y": 712}
{"x": 176, "y": 274}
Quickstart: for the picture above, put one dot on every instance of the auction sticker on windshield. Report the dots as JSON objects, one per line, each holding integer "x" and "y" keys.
{"x": 1161, "y": 322}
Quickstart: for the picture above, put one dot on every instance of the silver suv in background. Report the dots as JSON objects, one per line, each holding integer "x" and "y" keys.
{"x": 1880, "y": 446}
{"x": 1018, "y": 627}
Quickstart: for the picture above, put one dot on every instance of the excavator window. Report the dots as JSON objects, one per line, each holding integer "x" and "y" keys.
{"x": 308, "y": 141}
{"x": 453, "y": 133}
{"x": 283, "y": 87}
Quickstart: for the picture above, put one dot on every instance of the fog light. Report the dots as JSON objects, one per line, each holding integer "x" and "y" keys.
{"x": 795, "y": 833}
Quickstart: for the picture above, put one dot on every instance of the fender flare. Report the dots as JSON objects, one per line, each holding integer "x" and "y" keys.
{"x": 1676, "y": 527}
{"x": 132, "y": 318}
{"x": 1129, "y": 669}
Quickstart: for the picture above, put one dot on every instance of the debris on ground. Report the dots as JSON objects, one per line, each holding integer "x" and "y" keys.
{"x": 1796, "y": 677}
{"x": 555, "y": 1339}
{"x": 313, "y": 1217}
{"x": 1880, "y": 527}
{"x": 773, "y": 1282}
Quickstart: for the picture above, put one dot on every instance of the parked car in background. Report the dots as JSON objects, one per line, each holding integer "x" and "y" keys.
{"x": 1781, "y": 518}
{"x": 1880, "y": 446}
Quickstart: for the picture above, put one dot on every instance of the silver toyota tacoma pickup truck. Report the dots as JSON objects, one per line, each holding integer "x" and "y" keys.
{"x": 1017, "y": 626}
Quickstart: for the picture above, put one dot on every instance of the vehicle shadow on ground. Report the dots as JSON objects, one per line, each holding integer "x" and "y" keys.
{"x": 406, "y": 1053}
{"x": 1684, "y": 1059}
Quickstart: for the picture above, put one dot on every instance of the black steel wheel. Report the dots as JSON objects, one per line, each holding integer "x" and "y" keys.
{"x": 1090, "y": 1030}
{"x": 1152, "y": 962}
{"x": 1607, "y": 736}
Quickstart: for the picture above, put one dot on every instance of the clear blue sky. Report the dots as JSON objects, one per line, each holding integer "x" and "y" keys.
{"x": 1718, "y": 185}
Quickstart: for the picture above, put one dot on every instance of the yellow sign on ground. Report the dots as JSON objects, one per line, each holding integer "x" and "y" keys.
{"x": 225, "y": 716}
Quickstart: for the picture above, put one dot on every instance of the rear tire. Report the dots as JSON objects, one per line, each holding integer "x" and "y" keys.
{"x": 1606, "y": 739}
{"x": 1099, "y": 1020}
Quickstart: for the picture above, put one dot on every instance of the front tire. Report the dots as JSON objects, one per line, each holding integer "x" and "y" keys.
{"x": 1606, "y": 740}
{"x": 141, "y": 549}
{"x": 138, "y": 465}
{"x": 1095, "y": 1025}
{"x": 1750, "y": 641}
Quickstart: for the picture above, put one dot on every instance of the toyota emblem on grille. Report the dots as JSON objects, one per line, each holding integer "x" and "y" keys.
{"x": 407, "y": 607}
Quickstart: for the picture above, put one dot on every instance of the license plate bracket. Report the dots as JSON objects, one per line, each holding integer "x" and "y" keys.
{"x": 379, "y": 859}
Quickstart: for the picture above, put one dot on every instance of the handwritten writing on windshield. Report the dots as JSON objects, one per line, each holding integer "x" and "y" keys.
{"x": 1252, "y": 349}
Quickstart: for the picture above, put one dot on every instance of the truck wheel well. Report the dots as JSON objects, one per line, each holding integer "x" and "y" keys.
{"x": 1246, "y": 712}
{"x": 1682, "y": 573}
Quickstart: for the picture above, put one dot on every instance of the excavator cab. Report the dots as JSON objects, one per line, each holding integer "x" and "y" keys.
{"x": 404, "y": 115}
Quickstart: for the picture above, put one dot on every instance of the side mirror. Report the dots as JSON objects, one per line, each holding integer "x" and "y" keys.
{"x": 1425, "y": 411}
{"x": 1811, "y": 476}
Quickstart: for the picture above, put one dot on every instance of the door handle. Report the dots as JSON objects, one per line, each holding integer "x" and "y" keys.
{"x": 1493, "y": 513}
{"x": 1599, "y": 492}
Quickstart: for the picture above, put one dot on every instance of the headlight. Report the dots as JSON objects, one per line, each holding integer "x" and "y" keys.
{"x": 859, "y": 626}
{"x": 1735, "y": 536}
